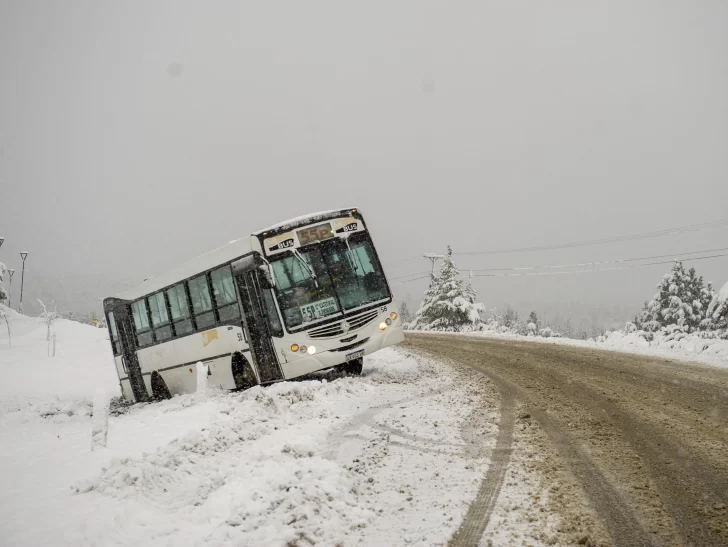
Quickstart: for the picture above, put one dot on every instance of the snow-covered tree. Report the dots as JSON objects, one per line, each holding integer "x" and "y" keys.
{"x": 717, "y": 312}
{"x": 4, "y": 294}
{"x": 448, "y": 305}
{"x": 6, "y": 318}
{"x": 682, "y": 300}
{"x": 533, "y": 318}
{"x": 422, "y": 316}
{"x": 48, "y": 317}
{"x": 404, "y": 313}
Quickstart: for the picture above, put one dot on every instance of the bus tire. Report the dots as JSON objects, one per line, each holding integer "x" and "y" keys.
{"x": 159, "y": 387}
{"x": 354, "y": 367}
{"x": 242, "y": 372}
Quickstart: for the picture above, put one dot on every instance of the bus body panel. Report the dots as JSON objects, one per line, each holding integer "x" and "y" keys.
{"x": 176, "y": 360}
{"x": 126, "y": 391}
{"x": 328, "y": 350}
{"x": 327, "y": 359}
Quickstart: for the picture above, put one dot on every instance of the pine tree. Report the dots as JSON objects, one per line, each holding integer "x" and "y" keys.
{"x": 404, "y": 313}
{"x": 533, "y": 318}
{"x": 717, "y": 311}
{"x": 447, "y": 305}
{"x": 422, "y": 316}
{"x": 682, "y": 299}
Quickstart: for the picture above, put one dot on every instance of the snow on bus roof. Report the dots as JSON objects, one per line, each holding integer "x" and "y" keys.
{"x": 232, "y": 250}
{"x": 312, "y": 217}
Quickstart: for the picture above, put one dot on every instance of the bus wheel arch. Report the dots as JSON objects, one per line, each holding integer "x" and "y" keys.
{"x": 159, "y": 387}
{"x": 242, "y": 370}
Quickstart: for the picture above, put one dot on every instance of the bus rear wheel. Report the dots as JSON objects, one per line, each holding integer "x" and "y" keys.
{"x": 159, "y": 387}
{"x": 242, "y": 372}
{"x": 353, "y": 368}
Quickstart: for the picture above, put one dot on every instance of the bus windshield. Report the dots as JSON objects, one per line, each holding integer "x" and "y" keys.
{"x": 347, "y": 275}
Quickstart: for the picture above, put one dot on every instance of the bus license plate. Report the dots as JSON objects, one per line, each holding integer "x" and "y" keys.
{"x": 354, "y": 356}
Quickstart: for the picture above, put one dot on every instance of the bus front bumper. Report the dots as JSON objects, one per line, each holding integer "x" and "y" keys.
{"x": 327, "y": 359}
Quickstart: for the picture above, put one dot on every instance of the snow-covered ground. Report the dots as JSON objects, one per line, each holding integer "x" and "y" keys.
{"x": 376, "y": 460}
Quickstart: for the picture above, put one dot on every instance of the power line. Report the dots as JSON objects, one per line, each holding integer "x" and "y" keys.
{"x": 645, "y": 235}
{"x": 424, "y": 275}
{"x": 599, "y": 269}
{"x": 615, "y": 239}
{"x": 596, "y": 263}
{"x": 580, "y": 264}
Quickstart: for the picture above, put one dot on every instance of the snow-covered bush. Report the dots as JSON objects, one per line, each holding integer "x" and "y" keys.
{"x": 447, "y": 304}
{"x": 48, "y": 317}
{"x": 546, "y": 332}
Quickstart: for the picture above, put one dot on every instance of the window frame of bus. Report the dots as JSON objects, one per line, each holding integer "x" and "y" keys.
{"x": 192, "y": 317}
{"x": 162, "y": 331}
{"x": 115, "y": 340}
{"x": 189, "y": 318}
{"x": 211, "y": 311}
{"x": 143, "y": 331}
{"x": 235, "y": 303}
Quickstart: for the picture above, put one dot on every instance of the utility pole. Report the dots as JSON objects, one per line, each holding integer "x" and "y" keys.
{"x": 433, "y": 258}
{"x": 23, "y": 255}
{"x": 10, "y": 289}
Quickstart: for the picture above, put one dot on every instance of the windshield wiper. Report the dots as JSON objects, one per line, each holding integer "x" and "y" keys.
{"x": 306, "y": 265}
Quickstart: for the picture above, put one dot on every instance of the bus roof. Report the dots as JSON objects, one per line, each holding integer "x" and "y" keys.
{"x": 305, "y": 219}
{"x": 202, "y": 263}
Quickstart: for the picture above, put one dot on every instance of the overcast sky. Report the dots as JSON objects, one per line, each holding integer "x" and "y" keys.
{"x": 136, "y": 135}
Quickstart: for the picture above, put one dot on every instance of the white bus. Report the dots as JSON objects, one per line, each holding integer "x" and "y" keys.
{"x": 304, "y": 295}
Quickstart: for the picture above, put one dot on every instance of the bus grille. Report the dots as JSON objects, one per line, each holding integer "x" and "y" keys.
{"x": 355, "y": 323}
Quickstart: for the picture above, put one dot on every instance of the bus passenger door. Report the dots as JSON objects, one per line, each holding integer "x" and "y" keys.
{"x": 255, "y": 321}
{"x": 128, "y": 353}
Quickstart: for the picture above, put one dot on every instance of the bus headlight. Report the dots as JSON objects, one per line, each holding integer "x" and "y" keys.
{"x": 393, "y": 315}
{"x": 311, "y": 350}
{"x": 303, "y": 349}
{"x": 294, "y": 347}
{"x": 382, "y": 326}
{"x": 388, "y": 321}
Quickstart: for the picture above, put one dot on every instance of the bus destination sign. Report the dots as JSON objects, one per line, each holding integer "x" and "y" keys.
{"x": 315, "y": 233}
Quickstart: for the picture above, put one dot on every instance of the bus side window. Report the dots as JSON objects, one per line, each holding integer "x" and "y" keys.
{"x": 160, "y": 318}
{"x": 141, "y": 322}
{"x": 180, "y": 309}
{"x": 201, "y": 302}
{"x": 223, "y": 289}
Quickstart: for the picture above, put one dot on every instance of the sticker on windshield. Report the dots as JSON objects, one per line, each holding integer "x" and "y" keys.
{"x": 320, "y": 308}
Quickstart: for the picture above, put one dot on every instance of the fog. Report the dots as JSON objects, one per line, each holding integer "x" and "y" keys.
{"x": 135, "y": 135}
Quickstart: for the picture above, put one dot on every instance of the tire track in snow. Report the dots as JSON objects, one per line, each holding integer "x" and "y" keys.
{"x": 366, "y": 418}
{"x": 620, "y": 518}
{"x": 478, "y": 515}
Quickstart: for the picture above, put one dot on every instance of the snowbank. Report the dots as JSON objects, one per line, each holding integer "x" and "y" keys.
{"x": 677, "y": 345}
{"x": 83, "y": 363}
{"x": 378, "y": 459}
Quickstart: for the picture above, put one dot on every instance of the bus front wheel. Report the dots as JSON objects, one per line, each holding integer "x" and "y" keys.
{"x": 354, "y": 367}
